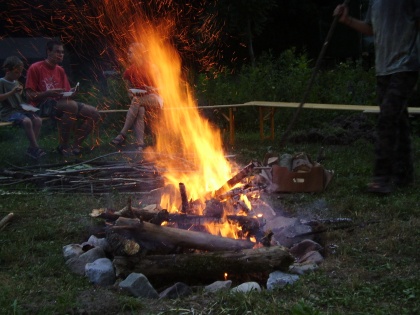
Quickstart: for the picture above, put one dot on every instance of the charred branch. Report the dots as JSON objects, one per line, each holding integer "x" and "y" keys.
{"x": 184, "y": 200}
{"x": 120, "y": 244}
{"x": 250, "y": 227}
{"x": 246, "y": 171}
{"x": 153, "y": 237}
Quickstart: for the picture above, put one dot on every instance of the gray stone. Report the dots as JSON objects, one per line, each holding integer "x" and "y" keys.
{"x": 278, "y": 279}
{"x": 72, "y": 250}
{"x": 77, "y": 264}
{"x": 218, "y": 286}
{"x": 247, "y": 287}
{"x": 100, "y": 272}
{"x": 300, "y": 249}
{"x": 176, "y": 291}
{"x": 98, "y": 242}
{"x": 286, "y": 230}
{"x": 301, "y": 269}
{"x": 312, "y": 257}
{"x": 259, "y": 206}
{"x": 136, "y": 284}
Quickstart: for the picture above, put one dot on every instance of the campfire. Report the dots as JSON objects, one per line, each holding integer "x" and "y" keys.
{"x": 207, "y": 222}
{"x": 189, "y": 154}
{"x": 224, "y": 233}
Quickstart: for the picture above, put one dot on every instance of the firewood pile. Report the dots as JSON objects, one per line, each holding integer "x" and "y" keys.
{"x": 96, "y": 176}
{"x": 182, "y": 249}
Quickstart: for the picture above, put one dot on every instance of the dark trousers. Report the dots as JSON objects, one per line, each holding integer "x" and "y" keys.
{"x": 393, "y": 155}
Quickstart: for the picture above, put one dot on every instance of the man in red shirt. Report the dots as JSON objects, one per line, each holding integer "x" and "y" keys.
{"x": 46, "y": 87}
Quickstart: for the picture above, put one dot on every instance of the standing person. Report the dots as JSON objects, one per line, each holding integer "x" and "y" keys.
{"x": 143, "y": 101}
{"x": 395, "y": 28}
{"x": 46, "y": 83}
{"x": 11, "y": 109}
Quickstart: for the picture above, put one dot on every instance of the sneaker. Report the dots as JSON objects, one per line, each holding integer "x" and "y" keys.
{"x": 35, "y": 153}
{"x": 118, "y": 140}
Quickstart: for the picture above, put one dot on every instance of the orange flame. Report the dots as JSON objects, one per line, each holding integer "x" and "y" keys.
{"x": 184, "y": 139}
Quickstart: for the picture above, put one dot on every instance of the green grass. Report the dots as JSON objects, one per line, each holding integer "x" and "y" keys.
{"x": 373, "y": 269}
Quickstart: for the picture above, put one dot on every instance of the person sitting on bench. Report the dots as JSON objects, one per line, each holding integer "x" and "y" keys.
{"x": 143, "y": 99}
{"x": 11, "y": 106}
{"x": 46, "y": 84}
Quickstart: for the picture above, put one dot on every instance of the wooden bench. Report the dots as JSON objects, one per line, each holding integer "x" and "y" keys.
{"x": 10, "y": 123}
{"x": 266, "y": 113}
{"x": 267, "y": 110}
{"x": 6, "y": 123}
{"x": 411, "y": 111}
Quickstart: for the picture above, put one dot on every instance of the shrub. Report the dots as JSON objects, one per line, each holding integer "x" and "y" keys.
{"x": 286, "y": 79}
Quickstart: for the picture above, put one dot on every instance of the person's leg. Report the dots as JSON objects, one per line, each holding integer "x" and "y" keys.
{"x": 385, "y": 141}
{"x": 131, "y": 116}
{"x": 139, "y": 126}
{"x": 36, "y": 125}
{"x": 148, "y": 116}
{"x": 29, "y": 132}
{"x": 403, "y": 168}
{"x": 130, "y": 119}
{"x": 90, "y": 116}
{"x": 392, "y": 97}
{"x": 25, "y": 120}
{"x": 66, "y": 117}
{"x": 151, "y": 121}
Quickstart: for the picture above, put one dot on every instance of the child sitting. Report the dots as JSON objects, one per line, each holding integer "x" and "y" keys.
{"x": 11, "y": 109}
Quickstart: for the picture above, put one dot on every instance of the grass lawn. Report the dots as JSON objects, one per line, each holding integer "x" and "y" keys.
{"x": 372, "y": 268}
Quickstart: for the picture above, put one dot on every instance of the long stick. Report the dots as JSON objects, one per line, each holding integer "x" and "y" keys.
{"x": 6, "y": 219}
{"x": 311, "y": 81}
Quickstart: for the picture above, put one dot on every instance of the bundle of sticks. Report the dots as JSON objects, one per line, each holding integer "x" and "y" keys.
{"x": 95, "y": 177}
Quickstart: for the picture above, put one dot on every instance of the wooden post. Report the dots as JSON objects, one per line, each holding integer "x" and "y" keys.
{"x": 263, "y": 118}
{"x": 231, "y": 126}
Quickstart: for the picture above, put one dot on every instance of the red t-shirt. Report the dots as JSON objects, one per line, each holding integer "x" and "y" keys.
{"x": 41, "y": 77}
{"x": 137, "y": 76}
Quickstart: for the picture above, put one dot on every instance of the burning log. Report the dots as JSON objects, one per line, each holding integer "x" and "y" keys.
{"x": 214, "y": 208}
{"x": 236, "y": 192}
{"x": 206, "y": 266}
{"x": 185, "y": 206}
{"x": 145, "y": 214}
{"x": 250, "y": 226}
{"x": 153, "y": 237}
{"x": 236, "y": 179}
